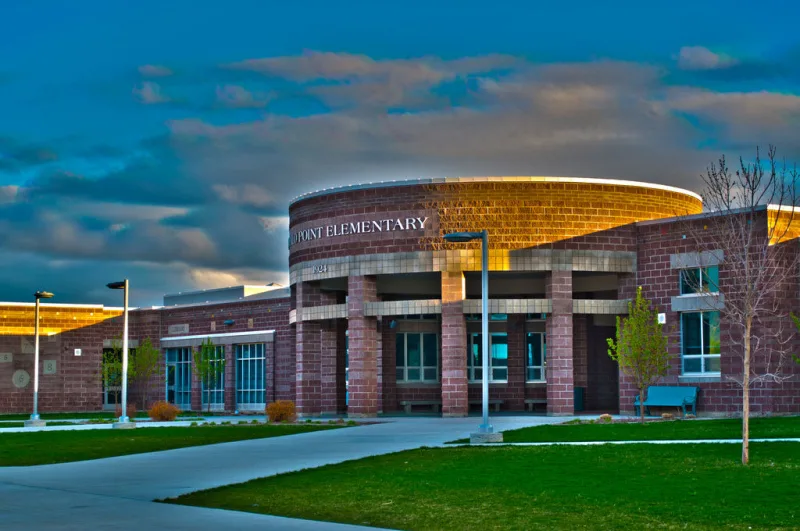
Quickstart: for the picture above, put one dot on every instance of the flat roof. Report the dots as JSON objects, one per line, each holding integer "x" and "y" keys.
{"x": 536, "y": 179}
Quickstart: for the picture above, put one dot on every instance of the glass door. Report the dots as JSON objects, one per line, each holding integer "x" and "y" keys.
{"x": 179, "y": 377}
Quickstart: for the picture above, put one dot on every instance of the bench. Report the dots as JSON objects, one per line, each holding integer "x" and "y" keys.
{"x": 496, "y": 403}
{"x": 530, "y": 402}
{"x": 669, "y": 396}
{"x": 407, "y": 404}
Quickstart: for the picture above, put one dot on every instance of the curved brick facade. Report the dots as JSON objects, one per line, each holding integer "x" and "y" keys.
{"x": 518, "y": 212}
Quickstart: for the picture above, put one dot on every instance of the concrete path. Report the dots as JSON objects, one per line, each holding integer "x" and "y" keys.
{"x": 117, "y": 493}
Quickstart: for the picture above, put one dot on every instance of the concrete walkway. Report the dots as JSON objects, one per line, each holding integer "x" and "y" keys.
{"x": 117, "y": 493}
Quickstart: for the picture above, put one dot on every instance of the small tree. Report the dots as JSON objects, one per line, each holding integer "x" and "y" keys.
{"x": 111, "y": 367}
{"x": 146, "y": 363}
{"x": 640, "y": 347}
{"x": 209, "y": 366}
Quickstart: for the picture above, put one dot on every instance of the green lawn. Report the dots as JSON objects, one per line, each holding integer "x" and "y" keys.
{"x": 760, "y": 428}
{"x": 5, "y": 424}
{"x": 700, "y": 486}
{"x": 41, "y": 448}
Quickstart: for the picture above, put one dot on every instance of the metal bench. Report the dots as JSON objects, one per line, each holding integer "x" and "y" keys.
{"x": 407, "y": 404}
{"x": 669, "y": 396}
{"x": 530, "y": 402}
{"x": 496, "y": 403}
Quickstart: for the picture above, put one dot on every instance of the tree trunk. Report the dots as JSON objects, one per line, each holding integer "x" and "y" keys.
{"x": 748, "y": 323}
{"x": 641, "y": 405}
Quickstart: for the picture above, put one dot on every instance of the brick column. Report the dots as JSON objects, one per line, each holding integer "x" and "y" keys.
{"x": 389, "y": 387}
{"x": 560, "y": 398}
{"x": 329, "y": 352}
{"x": 454, "y": 346}
{"x": 197, "y": 392}
{"x": 363, "y": 333}
{"x": 515, "y": 393}
{"x": 341, "y": 382}
{"x": 626, "y": 289}
{"x": 307, "y": 352}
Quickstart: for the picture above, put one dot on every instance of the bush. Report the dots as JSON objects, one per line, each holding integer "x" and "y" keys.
{"x": 605, "y": 418}
{"x": 131, "y": 411}
{"x": 281, "y": 411}
{"x": 163, "y": 411}
{"x": 667, "y": 416}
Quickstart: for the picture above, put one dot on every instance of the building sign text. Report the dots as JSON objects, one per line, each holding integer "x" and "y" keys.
{"x": 357, "y": 227}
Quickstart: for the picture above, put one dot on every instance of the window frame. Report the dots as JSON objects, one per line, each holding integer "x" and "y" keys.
{"x": 245, "y": 356}
{"x": 702, "y": 275}
{"x": 703, "y": 356}
{"x": 217, "y": 394}
{"x": 543, "y": 366}
{"x": 422, "y": 367}
{"x": 471, "y": 368}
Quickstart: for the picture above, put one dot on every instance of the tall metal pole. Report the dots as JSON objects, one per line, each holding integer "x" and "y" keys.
{"x": 124, "y": 415}
{"x": 485, "y": 427}
{"x": 35, "y": 415}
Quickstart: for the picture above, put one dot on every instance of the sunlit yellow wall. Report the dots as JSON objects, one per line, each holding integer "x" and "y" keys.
{"x": 18, "y": 320}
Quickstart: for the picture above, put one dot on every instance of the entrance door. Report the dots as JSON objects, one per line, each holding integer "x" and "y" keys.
{"x": 179, "y": 377}
{"x": 602, "y": 372}
{"x": 112, "y": 384}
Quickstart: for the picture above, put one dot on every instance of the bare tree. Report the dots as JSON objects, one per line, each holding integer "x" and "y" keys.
{"x": 751, "y": 226}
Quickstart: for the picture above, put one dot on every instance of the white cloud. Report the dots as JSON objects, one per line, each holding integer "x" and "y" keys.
{"x": 238, "y": 97}
{"x": 701, "y": 58}
{"x": 150, "y": 93}
{"x": 155, "y": 71}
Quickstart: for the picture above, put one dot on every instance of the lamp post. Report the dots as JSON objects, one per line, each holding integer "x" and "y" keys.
{"x": 35, "y": 420}
{"x": 124, "y": 421}
{"x": 485, "y": 433}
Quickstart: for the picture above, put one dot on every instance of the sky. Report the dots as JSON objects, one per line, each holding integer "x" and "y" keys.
{"x": 163, "y": 141}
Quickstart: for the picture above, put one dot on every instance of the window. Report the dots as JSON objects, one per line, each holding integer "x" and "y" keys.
{"x": 251, "y": 376}
{"x": 179, "y": 377}
{"x": 535, "y": 352}
{"x": 700, "y": 343}
{"x": 417, "y": 357}
{"x": 498, "y": 359}
{"x": 214, "y": 386}
{"x": 492, "y": 317}
{"x": 699, "y": 280}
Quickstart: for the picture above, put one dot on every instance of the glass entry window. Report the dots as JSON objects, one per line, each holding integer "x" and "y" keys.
{"x": 498, "y": 360}
{"x": 535, "y": 354}
{"x": 214, "y": 386}
{"x": 700, "y": 343}
{"x": 417, "y": 357}
{"x": 112, "y": 383}
{"x": 179, "y": 377}
{"x": 251, "y": 377}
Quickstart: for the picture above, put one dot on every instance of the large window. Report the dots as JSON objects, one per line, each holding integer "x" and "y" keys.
{"x": 700, "y": 342}
{"x": 699, "y": 280}
{"x": 417, "y": 357}
{"x": 251, "y": 377}
{"x": 179, "y": 376}
{"x": 214, "y": 386}
{"x": 535, "y": 353}
{"x": 498, "y": 360}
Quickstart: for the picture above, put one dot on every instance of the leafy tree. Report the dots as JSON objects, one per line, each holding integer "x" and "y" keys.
{"x": 209, "y": 366}
{"x": 640, "y": 347}
{"x": 111, "y": 366}
{"x": 145, "y": 364}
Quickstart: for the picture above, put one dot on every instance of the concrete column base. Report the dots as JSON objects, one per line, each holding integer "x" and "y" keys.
{"x": 454, "y": 415}
{"x": 38, "y": 423}
{"x": 480, "y": 438}
{"x": 123, "y": 425}
{"x": 362, "y": 415}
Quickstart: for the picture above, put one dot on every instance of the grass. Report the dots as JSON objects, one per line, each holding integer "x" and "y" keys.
{"x": 14, "y": 424}
{"x": 42, "y": 448}
{"x": 685, "y": 487}
{"x": 760, "y": 428}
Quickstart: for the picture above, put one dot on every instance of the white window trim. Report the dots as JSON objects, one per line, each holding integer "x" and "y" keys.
{"x": 471, "y": 369}
{"x": 701, "y": 357}
{"x": 422, "y": 367}
{"x": 543, "y": 366}
{"x": 701, "y": 276}
{"x": 251, "y": 349}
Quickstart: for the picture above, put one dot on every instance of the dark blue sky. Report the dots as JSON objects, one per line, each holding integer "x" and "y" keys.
{"x": 163, "y": 140}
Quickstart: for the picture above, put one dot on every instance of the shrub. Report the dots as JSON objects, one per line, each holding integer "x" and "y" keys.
{"x": 163, "y": 411}
{"x": 605, "y": 418}
{"x": 253, "y": 422}
{"x": 281, "y": 411}
{"x": 193, "y": 424}
{"x": 131, "y": 411}
{"x": 667, "y": 416}
{"x": 690, "y": 416}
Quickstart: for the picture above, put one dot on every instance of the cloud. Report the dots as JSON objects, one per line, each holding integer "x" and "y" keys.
{"x": 701, "y": 58}
{"x": 155, "y": 71}
{"x": 8, "y": 194}
{"x": 245, "y": 194}
{"x": 150, "y": 93}
{"x": 16, "y": 155}
{"x": 236, "y": 96}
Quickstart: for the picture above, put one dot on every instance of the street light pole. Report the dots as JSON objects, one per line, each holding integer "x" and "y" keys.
{"x": 485, "y": 430}
{"x": 485, "y": 427}
{"x": 35, "y": 420}
{"x": 124, "y": 421}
